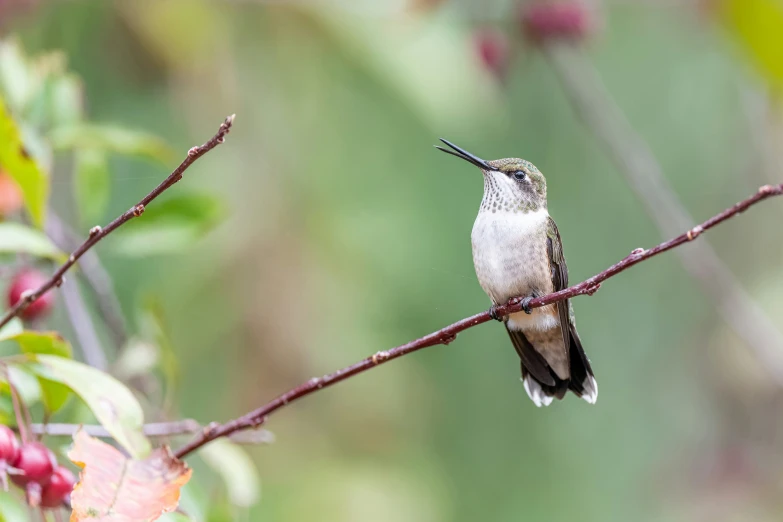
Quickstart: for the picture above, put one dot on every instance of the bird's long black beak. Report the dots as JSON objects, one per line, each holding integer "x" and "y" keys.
{"x": 463, "y": 154}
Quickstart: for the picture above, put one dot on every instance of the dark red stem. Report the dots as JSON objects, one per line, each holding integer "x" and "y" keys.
{"x": 446, "y": 335}
{"x": 98, "y": 233}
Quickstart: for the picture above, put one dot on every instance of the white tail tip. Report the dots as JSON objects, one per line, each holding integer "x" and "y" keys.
{"x": 591, "y": 389}
{"x": 536, "y": 393}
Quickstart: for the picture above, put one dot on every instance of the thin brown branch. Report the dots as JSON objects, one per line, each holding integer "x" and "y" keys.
{"x": 98, "y": 233}
{"x": 637, "y": 163}
{"x": 446, "y": 335}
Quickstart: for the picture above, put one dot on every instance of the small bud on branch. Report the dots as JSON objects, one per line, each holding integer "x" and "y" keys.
{"x": 445, "y": 335}
{"x": 98, "y": 233}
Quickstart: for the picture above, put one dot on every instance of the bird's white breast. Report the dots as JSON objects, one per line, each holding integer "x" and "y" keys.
{"x": 509, "y": 253}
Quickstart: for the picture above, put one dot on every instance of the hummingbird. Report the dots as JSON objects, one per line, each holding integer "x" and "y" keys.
{"x": 517, "y": 251}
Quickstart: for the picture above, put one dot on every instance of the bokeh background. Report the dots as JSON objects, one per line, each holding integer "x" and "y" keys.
{"x": 344, "y": 232}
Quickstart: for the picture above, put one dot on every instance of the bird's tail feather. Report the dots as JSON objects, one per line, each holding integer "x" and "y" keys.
{"x": 541, "y": 382}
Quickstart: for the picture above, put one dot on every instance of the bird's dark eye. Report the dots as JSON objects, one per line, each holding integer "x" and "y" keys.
{"x": 519, "y": 175}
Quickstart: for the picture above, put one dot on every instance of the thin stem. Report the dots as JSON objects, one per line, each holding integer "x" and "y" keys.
{"x": 448, "y": 334}
{"x": 152, "y": 429}
{"x": 94, "y": 274}
{"x": 83, "y": 326}
{"x": 16, "y": 400}
{"x": 98, "y": 233}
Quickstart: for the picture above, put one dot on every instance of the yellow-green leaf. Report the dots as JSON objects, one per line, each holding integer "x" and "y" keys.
{"x": 54, "y": 395}
{"x": 237, "y": 470}
{"x": 16, "y": 238}
{"x": 92, "y": 183}
{"x": 170, "y": 226}
{"x": 41, "y": 343}
{"x": 12, "y": 509}
{"x": 113, "y": 404}
{"x": 111, "y": 138}
{"x": 19, "y": 164}
{"x": 13, "y": 327}
{"x": 758, "y": 25}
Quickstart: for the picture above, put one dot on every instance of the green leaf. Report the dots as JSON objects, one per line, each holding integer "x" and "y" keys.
{"x": 92, "y": 183}
{"x": 52, "y": 394}
{"x": 17, "y": 162}
{"x": 170, "y": 226}
{"x": 7, "y": 416}
{"x": 34, "y": 388}
{"x": 111, "y": 138}
{"x": 65, "y": 95}
{"x": 25, "y": 384}
{"x": 13, "y": 327}
{"x": 17, "y": 81}
{"x": 113, "y": 404}
{"x": 16, "y": 238}
{"x": 12, "y": 509}
{"x": 41, "y": 343}
{"x": 237, "y": 470}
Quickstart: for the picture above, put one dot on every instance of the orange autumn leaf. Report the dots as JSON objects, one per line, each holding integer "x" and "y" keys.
{"x": 115, "y": 488}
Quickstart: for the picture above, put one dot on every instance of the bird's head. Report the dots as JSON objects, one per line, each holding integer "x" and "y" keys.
{"x": 510, "y": 184}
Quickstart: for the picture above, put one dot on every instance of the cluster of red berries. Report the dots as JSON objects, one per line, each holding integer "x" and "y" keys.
{"x": 33, "y": 467}
{"x": 29, "y": 280}
{"x": 539, "y": 21}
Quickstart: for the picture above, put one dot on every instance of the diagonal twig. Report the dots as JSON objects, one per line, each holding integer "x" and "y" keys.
{"x": 446, "y": 335}
{"x": 97, "y": 233}
{"x": 634, "y": 159}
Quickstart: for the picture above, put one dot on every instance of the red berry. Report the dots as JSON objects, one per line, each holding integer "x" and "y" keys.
{"x": 493, "y": 51}
{"x": 58, "y": 488}
{"x": 36, "y": 465}
{"x": 9, "y": 452}
{"x": 550, "y": 20}
{"x": 9, "y": 446}
{"x": 31, "y": 280}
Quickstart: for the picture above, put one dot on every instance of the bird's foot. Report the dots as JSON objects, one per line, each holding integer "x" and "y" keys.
{"x": 526, "y": 304}
{"x": 493, "y": 313}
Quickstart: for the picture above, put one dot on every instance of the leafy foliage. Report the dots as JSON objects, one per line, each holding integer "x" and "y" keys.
{"x": 111, "y": 138}
{"x": 20, "y": 239}
{"x": 111, "y": 401}
{"x": 92, "y": 183}
{"x": 758, "y": 25}
{"x": 170, "y": 226}
{"x": 42, "y": 115}
{"x": 19, "y": 164}
{"x": 53, "y": 395}
{"x": 236, "y": 469}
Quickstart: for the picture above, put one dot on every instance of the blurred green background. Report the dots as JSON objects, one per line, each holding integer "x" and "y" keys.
{"x": 345, "y": 233}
